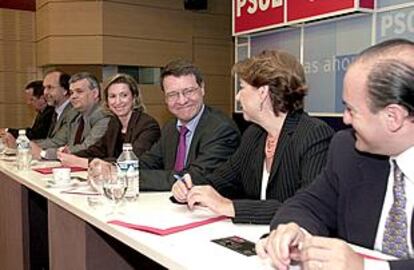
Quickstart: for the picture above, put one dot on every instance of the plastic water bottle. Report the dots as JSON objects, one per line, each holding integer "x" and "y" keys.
{"x": 128, "y": 165}
{"x": 24, "y": 151}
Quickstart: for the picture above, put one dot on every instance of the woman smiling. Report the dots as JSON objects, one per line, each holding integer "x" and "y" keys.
{"x": 131, "y": 124}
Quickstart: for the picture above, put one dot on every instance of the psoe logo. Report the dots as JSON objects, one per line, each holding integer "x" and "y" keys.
{"x": 397, "y": 23}
{"x": 254, "y": 5}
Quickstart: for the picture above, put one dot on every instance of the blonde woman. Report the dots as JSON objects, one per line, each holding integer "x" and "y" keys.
{"x": 130, "y": 124}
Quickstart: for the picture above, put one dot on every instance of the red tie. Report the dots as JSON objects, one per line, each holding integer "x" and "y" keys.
{"x": 79, "y": 131}
{"x": 181, "y": 150}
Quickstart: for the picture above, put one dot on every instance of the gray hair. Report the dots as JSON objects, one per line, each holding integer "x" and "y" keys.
{"x": 92, "y": 80}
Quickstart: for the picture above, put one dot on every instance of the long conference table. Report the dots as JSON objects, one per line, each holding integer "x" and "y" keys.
{"x": 79, "y": 236}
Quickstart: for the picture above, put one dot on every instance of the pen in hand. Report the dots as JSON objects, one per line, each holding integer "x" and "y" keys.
{"x": 182, "y": 179}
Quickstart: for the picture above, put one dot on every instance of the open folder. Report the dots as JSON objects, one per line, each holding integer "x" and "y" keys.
{"x": 170, "y": 230}
{"x": 49, "y": 170}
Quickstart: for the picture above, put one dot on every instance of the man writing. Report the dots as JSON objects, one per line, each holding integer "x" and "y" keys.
{"x": 365, "y": 195}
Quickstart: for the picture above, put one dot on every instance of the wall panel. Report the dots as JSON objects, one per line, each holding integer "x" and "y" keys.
{"x": 143, "y": 22}
{"x": 69, "y": 19}
{"x": 131, "y": 51}
{"x": 69, "y": 50}
{"x": 17, "y": 65}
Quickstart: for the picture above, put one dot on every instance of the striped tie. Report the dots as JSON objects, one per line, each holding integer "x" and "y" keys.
{"x": 395, "y": 233}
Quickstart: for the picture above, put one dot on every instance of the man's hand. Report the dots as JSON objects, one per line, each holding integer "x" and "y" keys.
{"x": 283, "y": 245}
{"x": 36, "y": 151}
{"x": 9, "y": 140}
{"x": 181, "y": 188}
{"x": 209, "y": 197}
{"x": 322, "y": 253}
{"x": 72, "y": 160}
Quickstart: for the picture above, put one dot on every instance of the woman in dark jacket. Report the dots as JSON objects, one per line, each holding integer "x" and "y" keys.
{"x": 130, "y": 124}
{"x": 280, "y": 153}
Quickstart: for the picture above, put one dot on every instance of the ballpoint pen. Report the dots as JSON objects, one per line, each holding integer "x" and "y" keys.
{"x": 181, "y": 178}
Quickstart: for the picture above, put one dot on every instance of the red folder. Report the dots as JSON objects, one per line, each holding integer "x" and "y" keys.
{"x": 167, "y": 231}
{"x": 49, "y": 170}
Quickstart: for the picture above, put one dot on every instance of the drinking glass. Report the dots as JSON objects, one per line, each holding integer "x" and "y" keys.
{"x": 98, "y": 171}
{"x": 114, "y": 188}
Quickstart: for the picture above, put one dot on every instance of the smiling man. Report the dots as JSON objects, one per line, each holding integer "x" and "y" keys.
{"x": 365, "y": 195}
{"x": 84, "y": 129}
{"x": 197, "y": 141}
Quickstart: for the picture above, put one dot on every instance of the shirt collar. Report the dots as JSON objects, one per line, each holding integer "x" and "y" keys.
{"x": 60, "y": 109}
{"x": 405, "y": 162}
{"x": 193, "y": 123}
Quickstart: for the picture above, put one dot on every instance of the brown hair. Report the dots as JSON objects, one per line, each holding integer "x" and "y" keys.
{"x": 282, "y": 72}
{"x": 132, "y": 85}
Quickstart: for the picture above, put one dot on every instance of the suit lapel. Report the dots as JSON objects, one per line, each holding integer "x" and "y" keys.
{"x": 285, "y": 136}
{"x": 365, "y": 201}
{"x": 171, "y": 141}
{"x": 197, "y": 133}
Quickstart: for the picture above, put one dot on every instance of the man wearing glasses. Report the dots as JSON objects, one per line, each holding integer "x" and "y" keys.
{"x": 197, "y": 141}
{"x": 56, "y": 93}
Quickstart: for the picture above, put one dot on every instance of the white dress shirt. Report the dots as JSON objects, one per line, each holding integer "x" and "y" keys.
{"x": 405, "y": 162}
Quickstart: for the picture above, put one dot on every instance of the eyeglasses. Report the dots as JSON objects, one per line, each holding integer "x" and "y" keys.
{"x": 186, "y": 92}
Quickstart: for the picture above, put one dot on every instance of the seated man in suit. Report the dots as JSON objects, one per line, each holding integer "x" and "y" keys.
{"x": 34, "y": 91}
{"x": 365, "y": 195}
{"x": 56, "y": 84}
{"x": 197, "y": 141}
{"x": 85, "y": 128}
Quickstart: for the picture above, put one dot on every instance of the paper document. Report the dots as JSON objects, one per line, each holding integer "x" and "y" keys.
{"x": 169, "y": 220}
{"x": 49, "y": 170}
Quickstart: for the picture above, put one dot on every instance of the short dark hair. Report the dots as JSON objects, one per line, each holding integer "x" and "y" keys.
{"x": 37, "y": 87}
{"x": 181, "y": 67}
{"x": 391, "y": 82}
{"x": 63, "y": 77}
{"x": 282, "y": 72}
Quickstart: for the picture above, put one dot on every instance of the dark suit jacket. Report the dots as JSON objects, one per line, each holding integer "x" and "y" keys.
{"x": 216, "y": 137}
{"x": 40, "y": 125}
{"x": 142, "y": 132}
{"x": 300, "y": 156}
{"x": 345, "y": 200}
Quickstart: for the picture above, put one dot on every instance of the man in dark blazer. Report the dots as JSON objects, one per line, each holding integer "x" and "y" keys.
{"x": 210, "y": 138}
{"x": 34, "y": 96}
{"x": 365, "y": 194}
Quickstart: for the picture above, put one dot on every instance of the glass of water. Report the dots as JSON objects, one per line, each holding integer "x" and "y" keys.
{"x": 114, "y": 188}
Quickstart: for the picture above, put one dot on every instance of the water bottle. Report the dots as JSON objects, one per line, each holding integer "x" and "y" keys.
{"x": 128, "y": 165}
{"x": 24, "y": 151}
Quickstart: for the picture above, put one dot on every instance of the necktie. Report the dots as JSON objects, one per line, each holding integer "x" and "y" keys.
{"x": 79, "y": 131}
{"x": 395, "y": 233}
{"x": 181, "y": 150}
{"x": 52, "y": 124}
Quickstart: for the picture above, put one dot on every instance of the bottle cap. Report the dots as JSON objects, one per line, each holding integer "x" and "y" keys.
{"x": 127, "y": 146}
{"x": 22, "y": 132}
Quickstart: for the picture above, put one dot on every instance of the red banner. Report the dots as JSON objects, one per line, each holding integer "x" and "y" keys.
{"x": 256, "y": 14}
{"x": 301, "y": 9}
{"x": 19, "y": 4}
{"x": 366, "y": 4}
